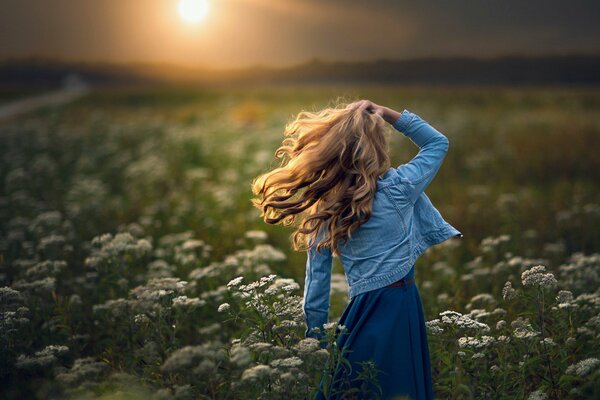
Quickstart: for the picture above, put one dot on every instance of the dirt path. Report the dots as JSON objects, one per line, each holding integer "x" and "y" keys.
{"x": 51, "y": 99}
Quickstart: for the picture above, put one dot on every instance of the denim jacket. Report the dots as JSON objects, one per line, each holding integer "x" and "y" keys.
{"x": 403, "y": 224}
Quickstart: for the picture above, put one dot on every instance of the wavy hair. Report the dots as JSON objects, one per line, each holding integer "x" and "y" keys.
{"x": 331, "y": 159}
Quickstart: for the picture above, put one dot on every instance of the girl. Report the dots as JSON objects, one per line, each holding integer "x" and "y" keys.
{"x": 378, "y": 220}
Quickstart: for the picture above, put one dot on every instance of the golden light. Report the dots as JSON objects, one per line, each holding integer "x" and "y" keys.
{"x": 192, "y": 11}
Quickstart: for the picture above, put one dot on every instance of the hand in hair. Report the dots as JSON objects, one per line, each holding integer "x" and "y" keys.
{"x": 386, "y": 113}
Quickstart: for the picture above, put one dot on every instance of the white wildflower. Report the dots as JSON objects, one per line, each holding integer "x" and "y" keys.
{"x": 141, "y": 319}
{"x": 434, "y": 327}
{"x": 469, "y": 342}
{"x": 235, "y": 282}
{"x": 503, "y": 339}
{"x": 508, "y": 292}
{"x": 257, "y": 372}
{"x": 256, "y": 235}
{"x": 184, "y": 301}
{"x": 286, "y": 362}
{"x": 260, "y": 347}
{"x": 499, "y": 312}
{"x": 484, "y": 298}
{"x": 307, "y": 345}
{"x": 240, "y": 355}
{"x": 271, "y": 291}
{"x": 330, "y": 325}
{"x": 224, "y": 307}
{"x": 462, "y": 321}
{"x": 290, "y": 288}
{"x": 537, "y": 395}
{"x": 548, "y": 341}
{"x": 267, "y": 279}
{"x": 584, "y": 367}
{"x": 523, "y": 329}
{"x": 564, "y": 298}
{"x": 537, "y": 276}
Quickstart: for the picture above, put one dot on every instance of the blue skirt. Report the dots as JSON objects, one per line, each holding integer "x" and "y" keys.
{"x": 385, "y": 326}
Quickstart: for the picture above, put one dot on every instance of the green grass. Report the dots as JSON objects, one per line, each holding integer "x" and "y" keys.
{"x": 156, "y": 162}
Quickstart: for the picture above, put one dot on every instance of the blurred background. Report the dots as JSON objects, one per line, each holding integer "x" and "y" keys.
{"x": 149, "y": 119}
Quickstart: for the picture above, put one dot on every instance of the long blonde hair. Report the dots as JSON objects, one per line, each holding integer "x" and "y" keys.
{"x": 335, "y": 156}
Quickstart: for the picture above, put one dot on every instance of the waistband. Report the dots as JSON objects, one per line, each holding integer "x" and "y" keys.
{"x": 401, "y": 282}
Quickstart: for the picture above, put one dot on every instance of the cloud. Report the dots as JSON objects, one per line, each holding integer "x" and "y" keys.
{"x": 280, "y": 32}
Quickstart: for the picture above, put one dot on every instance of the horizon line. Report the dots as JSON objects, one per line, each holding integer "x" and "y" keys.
{"x": 309, "y": 60}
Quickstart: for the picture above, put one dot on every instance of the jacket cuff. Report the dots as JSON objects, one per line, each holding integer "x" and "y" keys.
{"x": 401, "y": 124}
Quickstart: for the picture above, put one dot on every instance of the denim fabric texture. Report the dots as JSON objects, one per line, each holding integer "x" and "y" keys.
{"x": 403, "y": 225}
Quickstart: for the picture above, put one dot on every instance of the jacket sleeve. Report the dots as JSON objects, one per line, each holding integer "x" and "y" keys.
{"x": 317, "y": 289}
{"x": 420, "y": 171}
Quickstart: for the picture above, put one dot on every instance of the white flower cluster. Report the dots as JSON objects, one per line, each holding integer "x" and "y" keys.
{"x": 537, "y": 276}
{"x": 224, "y": 307}
{"x": 191, "y": 252}
{"x": 44, "y": 269}
{"x": 307, "y": 345}
{"x": 240, "y": 355}
{"x": 235, "y": 282}
{"x": 503, "y": 339}
{"x": 489, "y": 243}
{"x": 41, "y": 287}
{"x": 188, "y": 302}
{"x": 256, "y": 235}
{"x": 263, "y": 281}
{"x": 469, "y": 342}
{"x": 434, "y": 327}
{"x": 460, "y": 321}
{"x": 109, "y": 250}
{"x": 584, "y": 367}
{"x": 516, "y": 263}
{"x": 537, "y": 395}
{"x": 258, "y": 373}
{"x": 479, "y": 313}
{"x": 42, "y": 358}
{"x": 564, "y": 298}
{"x": 481, "y": 299}
{"x": 581, "y": 273}
{"x": 289, "y": 362}
{"x": 588, "y": 301}
{"x": 239, "y": 263}
{"x": 84, "y": 369}
{"x": 508, "y": 292}
{"x": 159, "y": 288}
{"x": 160, "y": 269}
{"x": 548, "y": 342}
{"x": 523, "y": 329}
{"x": 201, "y": 359}
{"x": 156, "y": 295}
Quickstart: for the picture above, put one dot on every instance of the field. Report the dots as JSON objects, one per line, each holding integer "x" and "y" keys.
{"x": 125, "y": 219}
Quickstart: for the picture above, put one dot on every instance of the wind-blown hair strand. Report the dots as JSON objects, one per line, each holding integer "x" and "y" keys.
{"x": 331, "y": 159}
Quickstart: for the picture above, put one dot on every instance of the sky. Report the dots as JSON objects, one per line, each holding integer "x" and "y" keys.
{"x": 239, "y": 33}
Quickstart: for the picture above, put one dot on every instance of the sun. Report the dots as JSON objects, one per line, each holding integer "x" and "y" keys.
{"x": 192, "y": 11}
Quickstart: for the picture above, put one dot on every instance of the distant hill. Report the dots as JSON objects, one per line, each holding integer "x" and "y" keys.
{"x": 577, "y": 69}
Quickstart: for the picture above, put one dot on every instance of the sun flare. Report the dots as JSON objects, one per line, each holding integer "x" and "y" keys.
{"x": 192, "y": 11}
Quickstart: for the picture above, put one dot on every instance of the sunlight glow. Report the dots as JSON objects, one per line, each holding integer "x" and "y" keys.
{"x": 192, "y": 11}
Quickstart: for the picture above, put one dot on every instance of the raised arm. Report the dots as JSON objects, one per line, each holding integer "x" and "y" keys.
{"x": 317, "y": 289}
{"x": 433, "y": 145}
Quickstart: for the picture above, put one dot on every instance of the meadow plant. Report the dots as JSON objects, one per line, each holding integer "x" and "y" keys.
{"x": 131, "y": 264}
